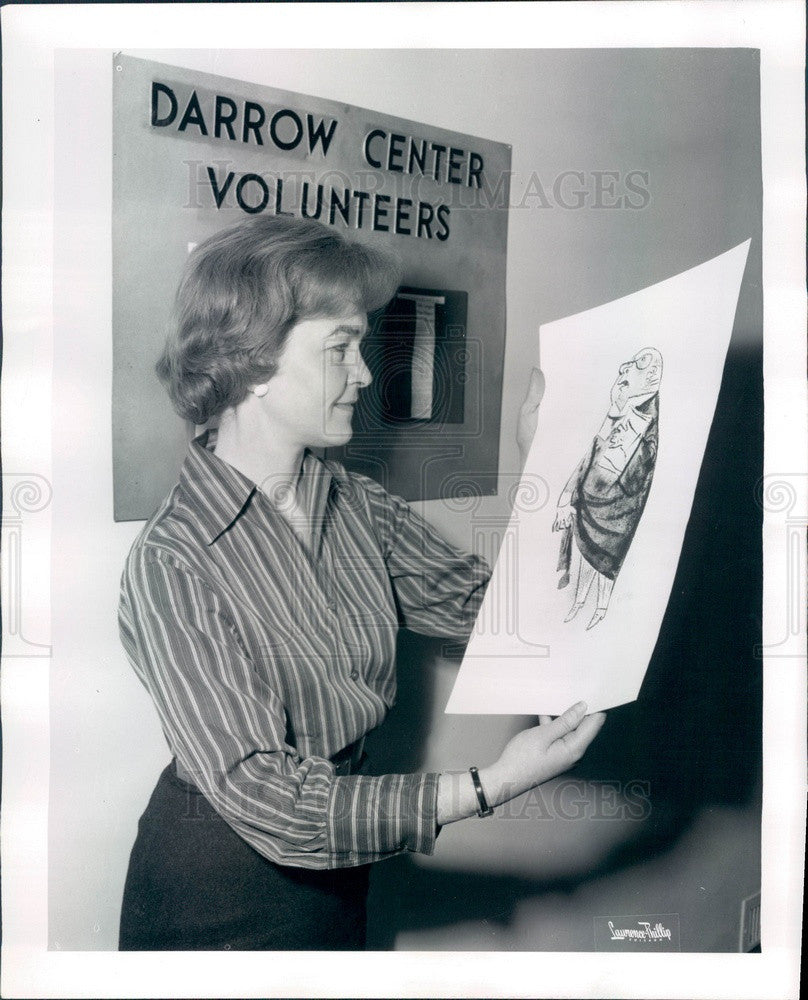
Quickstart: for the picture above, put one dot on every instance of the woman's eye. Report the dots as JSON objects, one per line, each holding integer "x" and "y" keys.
{"x": 340, "y": 350}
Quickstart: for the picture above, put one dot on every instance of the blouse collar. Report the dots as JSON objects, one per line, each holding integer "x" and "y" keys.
{"x": 220, "y": 493}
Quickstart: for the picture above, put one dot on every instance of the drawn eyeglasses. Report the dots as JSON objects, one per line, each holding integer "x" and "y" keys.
{"x": 641, "y": 362}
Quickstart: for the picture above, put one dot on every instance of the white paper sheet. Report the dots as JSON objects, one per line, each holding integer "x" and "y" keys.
{"x": 523, "y": 656}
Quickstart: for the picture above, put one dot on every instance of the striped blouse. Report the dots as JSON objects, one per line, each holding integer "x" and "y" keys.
{"x": 266, "y": 655}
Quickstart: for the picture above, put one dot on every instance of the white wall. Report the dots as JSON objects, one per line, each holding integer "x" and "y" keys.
{"x": 644, "y": 112}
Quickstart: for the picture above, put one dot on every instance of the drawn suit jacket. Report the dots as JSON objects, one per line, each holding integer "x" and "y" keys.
{"x": 608, "y": 505}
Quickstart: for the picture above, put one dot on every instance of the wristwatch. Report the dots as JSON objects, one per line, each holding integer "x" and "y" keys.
{"x": 483, "y": 808}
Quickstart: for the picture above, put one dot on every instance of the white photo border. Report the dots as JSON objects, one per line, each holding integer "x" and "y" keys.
{"x": 31, "y": 36}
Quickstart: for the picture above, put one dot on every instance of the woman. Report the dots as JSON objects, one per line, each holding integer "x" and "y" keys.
{"x": 260, "y": 605}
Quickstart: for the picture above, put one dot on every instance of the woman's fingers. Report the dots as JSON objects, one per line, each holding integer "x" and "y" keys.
{"x": 535, "y": 390}
{"x": 574, "y": 728}
{"x": 568, "y": 721}
{"x": 542, "y": 752}
{"x": 578, "y": 739}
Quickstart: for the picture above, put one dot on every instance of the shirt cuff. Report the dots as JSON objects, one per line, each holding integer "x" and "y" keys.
{"x": 369, "y": 818}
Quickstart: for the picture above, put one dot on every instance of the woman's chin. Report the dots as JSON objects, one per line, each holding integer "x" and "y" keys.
{"x": 335, "y": 437}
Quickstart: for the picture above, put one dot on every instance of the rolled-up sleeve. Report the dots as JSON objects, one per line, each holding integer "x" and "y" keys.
{"x": 227, "y": 728}
{"x": 438, "y": 588}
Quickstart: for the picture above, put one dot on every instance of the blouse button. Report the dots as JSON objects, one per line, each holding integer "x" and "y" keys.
{"x": 355, "y": 675}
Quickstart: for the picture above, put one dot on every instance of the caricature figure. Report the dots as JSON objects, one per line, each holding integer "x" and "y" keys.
{"x": 602, "y": 503}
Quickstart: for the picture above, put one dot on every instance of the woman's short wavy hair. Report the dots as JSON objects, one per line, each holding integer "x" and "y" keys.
{"x": 243, "y": 290}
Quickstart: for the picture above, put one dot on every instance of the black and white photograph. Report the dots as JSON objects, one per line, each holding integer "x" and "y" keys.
{"x": 404, "y": 499}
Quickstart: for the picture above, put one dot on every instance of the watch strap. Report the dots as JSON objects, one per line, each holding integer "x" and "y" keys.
{"x": 483, "y": 808}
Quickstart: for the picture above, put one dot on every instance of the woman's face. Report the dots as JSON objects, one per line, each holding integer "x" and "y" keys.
{"x": 311, "y": 396}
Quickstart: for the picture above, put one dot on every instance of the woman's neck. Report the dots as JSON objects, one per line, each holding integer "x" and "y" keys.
{"x": 246, "y": 442}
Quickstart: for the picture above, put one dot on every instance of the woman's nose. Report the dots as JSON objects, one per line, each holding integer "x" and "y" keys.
{"x": 362, "y": 374}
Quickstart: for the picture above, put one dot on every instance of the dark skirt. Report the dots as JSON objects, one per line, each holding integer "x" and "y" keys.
{"x": 194, "y": 884}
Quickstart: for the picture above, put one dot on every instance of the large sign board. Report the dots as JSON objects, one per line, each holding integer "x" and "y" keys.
{"x": 194, "y": 153}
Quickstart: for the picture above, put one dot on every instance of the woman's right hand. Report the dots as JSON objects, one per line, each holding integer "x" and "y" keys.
{"x": 540, "y": 753}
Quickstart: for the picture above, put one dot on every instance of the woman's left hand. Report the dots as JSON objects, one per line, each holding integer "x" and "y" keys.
{"x": 529, "y": 414}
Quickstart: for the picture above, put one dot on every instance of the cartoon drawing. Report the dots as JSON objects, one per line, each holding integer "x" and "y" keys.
{"x": 601, "y": 505}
